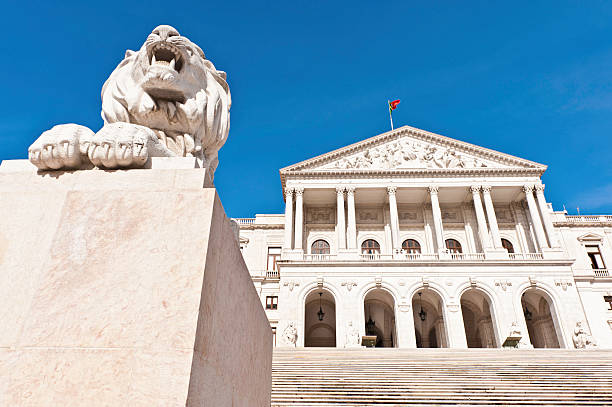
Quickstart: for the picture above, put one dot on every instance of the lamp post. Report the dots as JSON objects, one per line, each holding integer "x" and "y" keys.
{"x": 422, "y": 313}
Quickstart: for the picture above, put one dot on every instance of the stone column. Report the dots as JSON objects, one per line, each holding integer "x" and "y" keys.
{"x": 485, "y": 242}
{"x": 456, "y": 329}
{"x": 486, "y": 193}
{"x": 437, "y": 217}
{"x": 340, "y": 222}
{"x": 548, "y": 225}
{"x": 299, "y": 218}
{"x": 535, "y": 217}
{"x": 288, "y": 218}
{"x": 351, "y": 230}
{"x": 394, "y": 218}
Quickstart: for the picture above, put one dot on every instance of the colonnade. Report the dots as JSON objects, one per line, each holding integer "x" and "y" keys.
{"x": 488, "y": 229}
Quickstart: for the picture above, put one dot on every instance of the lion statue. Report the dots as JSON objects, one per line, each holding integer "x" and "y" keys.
{"x": 166, "y": 100}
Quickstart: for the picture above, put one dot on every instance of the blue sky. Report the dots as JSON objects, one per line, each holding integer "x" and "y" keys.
{"x": 531, "y": 79}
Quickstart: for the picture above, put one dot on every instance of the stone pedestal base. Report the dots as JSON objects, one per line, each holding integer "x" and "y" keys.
{"x": 125, "y": 288}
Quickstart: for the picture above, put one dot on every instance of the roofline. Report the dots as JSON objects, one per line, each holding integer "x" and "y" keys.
{"x": 537, "y": 168}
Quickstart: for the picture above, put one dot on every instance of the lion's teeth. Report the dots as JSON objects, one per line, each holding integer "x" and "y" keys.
{"x": 172, "y": 63}
{"x": 153, "y": 59}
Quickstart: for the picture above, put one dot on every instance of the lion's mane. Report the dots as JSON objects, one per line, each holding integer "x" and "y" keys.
{"x": 196, "y": 124}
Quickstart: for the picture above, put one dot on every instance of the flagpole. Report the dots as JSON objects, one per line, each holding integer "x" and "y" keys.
{"x": 390, "y": 115}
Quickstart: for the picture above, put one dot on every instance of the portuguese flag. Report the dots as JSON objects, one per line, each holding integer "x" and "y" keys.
{"x": 393, "y": 105}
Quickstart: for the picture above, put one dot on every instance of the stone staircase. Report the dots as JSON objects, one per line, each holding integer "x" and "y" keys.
{"x": 372, "y": 377}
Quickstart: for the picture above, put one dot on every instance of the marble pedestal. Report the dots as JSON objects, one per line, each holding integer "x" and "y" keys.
{"x": 125, "y": 288}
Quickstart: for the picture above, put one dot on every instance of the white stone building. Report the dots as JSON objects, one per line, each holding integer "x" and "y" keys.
{"x": 427, "y": 241}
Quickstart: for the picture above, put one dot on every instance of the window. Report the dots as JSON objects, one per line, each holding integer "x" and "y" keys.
{"x": 320, "y": 247}
{"x": 273, "y": 336}
{"x": 507, "y": 245}
{"x": 411, "y": 246}
{"x": 273, "y": 257}
{"x": 595, "y": 256}
{"x": 272, "y": 302}
{"x": 608, "y": 299}
{"x": 370, "y": 246}
{"x": 453, "y": 246}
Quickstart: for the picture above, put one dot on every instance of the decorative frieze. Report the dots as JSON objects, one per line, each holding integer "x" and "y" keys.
{"x": 320, "y": 215}
{"x": 349, "y": 285}
{"x": 563, "y": 284}
{"x": 503, "y": 284}
{"x": 291, "y": 284}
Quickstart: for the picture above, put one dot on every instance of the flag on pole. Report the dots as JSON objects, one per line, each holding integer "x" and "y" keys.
{"x": 393, "y": 105}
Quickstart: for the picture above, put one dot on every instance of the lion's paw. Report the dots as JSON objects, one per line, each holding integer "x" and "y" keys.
{"x": 60, "y": 147}
{"x": 122, "y": 145}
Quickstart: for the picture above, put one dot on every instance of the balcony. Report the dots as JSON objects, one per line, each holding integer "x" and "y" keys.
{"x": 601, "y": 273}
{"x": 400, "y": 257}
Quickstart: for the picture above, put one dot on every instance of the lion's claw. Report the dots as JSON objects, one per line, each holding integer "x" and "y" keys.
{"x": 59, "y": 147}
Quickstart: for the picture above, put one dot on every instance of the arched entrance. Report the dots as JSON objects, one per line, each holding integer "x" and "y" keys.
{"x": 540, "y": 319}
{"x": 430, "y": 330}
{"x": 379, "y": 314}
{"x": 320, "y": 319}
{"x": 478, "y": 320}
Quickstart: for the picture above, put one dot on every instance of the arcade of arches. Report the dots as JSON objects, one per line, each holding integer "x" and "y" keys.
{"x": 320, "y": 319}
{"x": 540, "y": 319}
{"x": 429, "y": 323}
{"x": 477, "y": 320}
{"x": 380, "y": 318}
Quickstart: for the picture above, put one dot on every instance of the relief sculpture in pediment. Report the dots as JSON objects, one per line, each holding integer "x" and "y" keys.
{"x": 405, "y": 153}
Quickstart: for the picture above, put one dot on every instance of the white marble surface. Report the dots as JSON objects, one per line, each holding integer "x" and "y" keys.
{"x": 119, "y": 296}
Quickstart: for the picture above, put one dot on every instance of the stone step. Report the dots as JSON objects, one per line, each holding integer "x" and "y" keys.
{"x": 370, "y": 377}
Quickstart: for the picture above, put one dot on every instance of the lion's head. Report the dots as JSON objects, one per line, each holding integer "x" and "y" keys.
{"x": 170, "y": 87}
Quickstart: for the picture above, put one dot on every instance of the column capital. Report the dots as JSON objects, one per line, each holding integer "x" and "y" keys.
{"x": 539, "y": 187}
{"x": 350, "y": 190}
{"x": 289, "y": 192}
{"x": 391, "y": 190}
{"x": 475, "y": 189}
{"x": 528, "y": 188}
{"x": 433, "y": 189}
{"x": 486, "y": 189}
{"x": 340, "y": 190}
{"x": 299, "y": 190}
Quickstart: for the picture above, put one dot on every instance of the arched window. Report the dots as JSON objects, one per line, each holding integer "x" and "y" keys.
{"x": 453, "y": 246}
{"x": 506, "y": 244}
{"x": 370, "y": 246}
{"x": 319, "y": 247}
{"x": 411, "y": 246}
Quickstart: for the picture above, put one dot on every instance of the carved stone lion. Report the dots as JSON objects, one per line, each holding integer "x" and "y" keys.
{"x": 166, "y": 100}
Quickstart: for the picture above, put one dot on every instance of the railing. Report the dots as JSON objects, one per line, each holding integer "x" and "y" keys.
{"x": 319, "y": 257}
{"x": 376, "y": 257}
{"x": 410, "y": 257}
{"x": 244, "y": 221}
{"x": 601, "y": 273}
{"x": 526, "y": 256}
{"x": 418, "y": 256}
{"x": 467, "y": 256}
{"x": 588, "y": 218}
{"x": 272, "y": 274}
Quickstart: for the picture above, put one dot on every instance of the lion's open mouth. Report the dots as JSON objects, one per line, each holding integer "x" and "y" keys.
{"x": 166, "y": 54}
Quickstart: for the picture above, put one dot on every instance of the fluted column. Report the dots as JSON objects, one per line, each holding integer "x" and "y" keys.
{"x": 485, "y": 242}
{"x": 394, "y": 218}
{"x": 535, "y": 217}
{"x": 288, "y": 218}
{"x": 340, "y": 222}
{"x": 299, "y": 218}
{"x": 437, "y": 217}
{"x": 548, "y": 225}
{"x": 351, "y": 230}
{"x": 486, "y": 193}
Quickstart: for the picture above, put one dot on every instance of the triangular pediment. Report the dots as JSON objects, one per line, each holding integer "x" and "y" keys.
{"x": 409, "y": 148}
{"x": 590, "y": 237}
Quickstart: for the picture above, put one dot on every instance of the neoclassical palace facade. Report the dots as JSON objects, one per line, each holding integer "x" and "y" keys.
{"x": 414, "y": 239}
